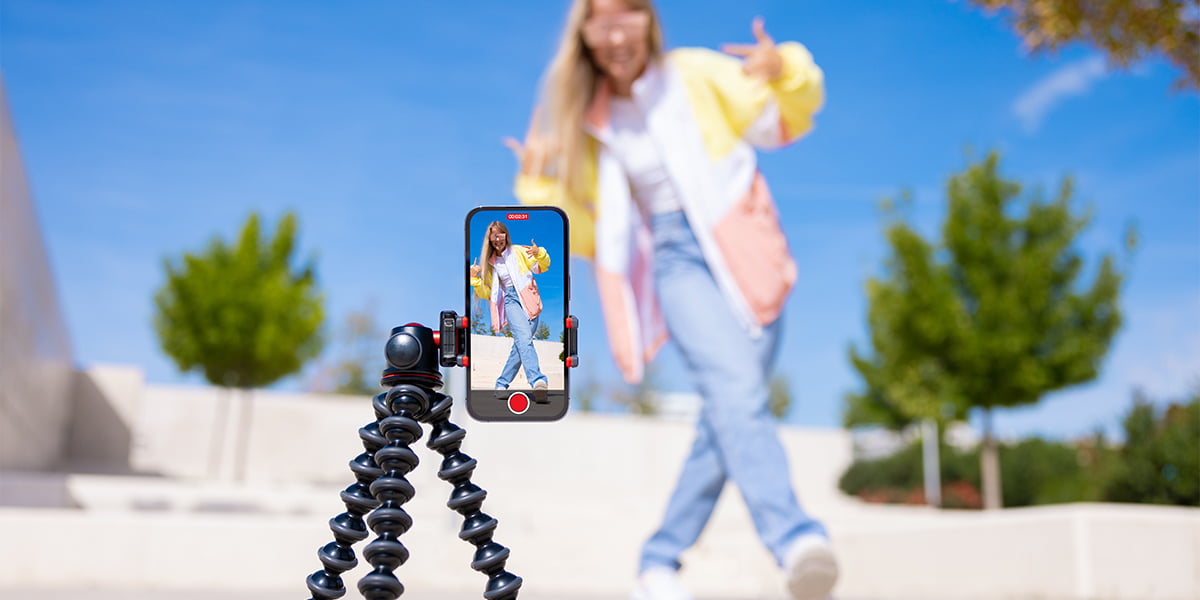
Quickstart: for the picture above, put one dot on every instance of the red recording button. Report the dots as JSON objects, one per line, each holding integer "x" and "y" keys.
{"x": 518, "y": 403}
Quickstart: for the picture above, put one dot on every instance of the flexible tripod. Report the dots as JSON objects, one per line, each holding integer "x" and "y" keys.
{"x": 413, "y": 380}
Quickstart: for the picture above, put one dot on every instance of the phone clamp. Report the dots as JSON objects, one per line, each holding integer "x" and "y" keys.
{"x": 375, "y": 500}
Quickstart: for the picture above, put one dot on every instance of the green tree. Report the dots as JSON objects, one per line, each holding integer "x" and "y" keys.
{"x": 480, "y": 316}
{"x": 1160, "y": 460}
{"x": 1035, "y": 472}
{"x": 542, "y": 333}
{"x": 584, "y": 391}
{"x": 362, "y": 339}
{"x": 241, "y": 314}
{"x": 1125, "y": 30}
{"x": 993, "y": 316}
{"x": 779, "y": 396}
{"x": 639, "y": 398}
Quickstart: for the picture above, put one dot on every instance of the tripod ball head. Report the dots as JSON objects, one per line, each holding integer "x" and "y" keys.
{"x": 412, "y": 357}
{"x": 404, "y": 347}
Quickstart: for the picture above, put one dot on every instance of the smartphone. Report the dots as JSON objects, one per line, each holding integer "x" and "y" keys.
{"x": 517, "y": 275}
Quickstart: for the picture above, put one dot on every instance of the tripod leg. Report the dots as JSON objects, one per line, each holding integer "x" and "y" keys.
{"x": 337, "y": 557}
{"x": 406, "y": 403}
{"x": 467, "y": 499}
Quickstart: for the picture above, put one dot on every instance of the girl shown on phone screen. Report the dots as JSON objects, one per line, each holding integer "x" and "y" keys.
{"x": 503, "y": 276}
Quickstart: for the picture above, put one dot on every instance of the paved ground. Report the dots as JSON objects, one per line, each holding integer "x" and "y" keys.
{"x": 78, "y": 594}
{"x": 82, "y": 594}
{"x": 8, "y": 594}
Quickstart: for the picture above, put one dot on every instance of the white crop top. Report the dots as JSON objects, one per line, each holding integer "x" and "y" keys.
{"x": 631, "y": 144}
{"x": 502, "y": 271}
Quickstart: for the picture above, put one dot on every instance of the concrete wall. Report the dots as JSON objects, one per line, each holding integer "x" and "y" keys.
{"x": 1076, "y": 551}
{"x": 575, "y": 500}
{"x": 36, "y": 375}
{"x": 1073, "y": 552}
{"x": 106, "y": 404}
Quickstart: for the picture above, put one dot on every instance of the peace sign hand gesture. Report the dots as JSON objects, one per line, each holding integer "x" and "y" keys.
{"x": 535, "y": 156}
{"x": 760, "y": 59}
{"x": 532, "y": 250}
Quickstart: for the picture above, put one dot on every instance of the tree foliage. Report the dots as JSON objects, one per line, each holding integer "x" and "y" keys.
{"x": 779, "y": 396}
{"x": 1125, "y": 30}
{"x": 362, "y": 340}
{"x": 994, "y": 315}
{"x": 1158, "y": 463}
{"x": 1034, "y": 472}
{"x": 640, "y": 398}
{"x": 480, "y": 316}
{"x": 1160, "y": 460}
{"x": 240, "y": 313}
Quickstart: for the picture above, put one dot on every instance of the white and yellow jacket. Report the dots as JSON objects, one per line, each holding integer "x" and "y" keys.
{"x": 521, "y": 269}
{"x": 707, "y": 116}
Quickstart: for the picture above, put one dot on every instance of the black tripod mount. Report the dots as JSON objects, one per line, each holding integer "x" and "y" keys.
{"x": 375, "y": 499}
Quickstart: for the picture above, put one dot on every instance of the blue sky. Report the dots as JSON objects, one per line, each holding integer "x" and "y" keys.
{"x": 149, "y": 127}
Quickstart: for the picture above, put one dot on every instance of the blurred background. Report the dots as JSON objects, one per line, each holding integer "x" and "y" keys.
{"x": 213, "y": 212}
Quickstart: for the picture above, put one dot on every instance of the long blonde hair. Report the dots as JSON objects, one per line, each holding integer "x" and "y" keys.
{"x": 570, "y": 83}
{"x": 485, "y": 253}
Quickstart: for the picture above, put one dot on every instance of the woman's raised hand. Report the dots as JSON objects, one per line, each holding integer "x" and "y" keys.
{"x": 532, "y": 250}
{"x": 760, "y": 59}
{"x": 475, "y": 269}
{"x": 535, "y": 156}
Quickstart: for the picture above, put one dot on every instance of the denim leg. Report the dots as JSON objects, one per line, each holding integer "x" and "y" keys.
{"x": 522, "y": 352}
{"x": 736, "y": 434}
{"x": 510, "y": 368}
{"x": 696, "y": 493}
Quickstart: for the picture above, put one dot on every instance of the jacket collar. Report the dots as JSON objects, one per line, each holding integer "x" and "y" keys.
{"x": 647, "y": 87}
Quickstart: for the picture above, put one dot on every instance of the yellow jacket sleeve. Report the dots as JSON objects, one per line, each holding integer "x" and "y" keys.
{"x": 549, "y": 191}
{"x": 724, "y": 93}
{"x": 481, "y": 289}
{"x": 541, "y": 260}
{"x": 799, "y": 90}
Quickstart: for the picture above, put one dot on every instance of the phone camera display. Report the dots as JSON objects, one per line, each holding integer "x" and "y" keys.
{"x": 517, "y": 278}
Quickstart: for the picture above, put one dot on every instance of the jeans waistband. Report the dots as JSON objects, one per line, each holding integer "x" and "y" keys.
{"x": 673, "y": 219}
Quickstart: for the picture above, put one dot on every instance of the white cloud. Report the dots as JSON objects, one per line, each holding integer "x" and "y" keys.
{"x": 1075, "y": 79}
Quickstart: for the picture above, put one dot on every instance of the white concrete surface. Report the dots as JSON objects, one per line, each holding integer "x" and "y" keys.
{"x": 36, "y": 375}
{"x": 575, "y": 500}
{"x": 489, "y": 353}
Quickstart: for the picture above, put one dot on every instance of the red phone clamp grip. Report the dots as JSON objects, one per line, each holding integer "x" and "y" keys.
{"x": 571, "y": 340}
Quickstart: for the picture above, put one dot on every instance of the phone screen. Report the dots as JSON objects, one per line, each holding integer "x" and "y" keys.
{"x": 517, "y": 290}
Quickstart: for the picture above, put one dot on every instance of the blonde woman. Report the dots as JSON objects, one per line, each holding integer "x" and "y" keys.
{"x": 504, "y": 277}
{"x": 652, "y": 155}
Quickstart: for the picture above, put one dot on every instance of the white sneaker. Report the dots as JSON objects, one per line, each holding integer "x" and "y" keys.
{"x": 539, "y": 391}
{"x": 811, "y": 568}
{"x": 501, "y": 393}
{"x": 660, "y": 583}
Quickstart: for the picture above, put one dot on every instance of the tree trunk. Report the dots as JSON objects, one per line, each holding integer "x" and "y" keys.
{"x": 989, "y": 465}
{"x": 216, "y": 448}
{"x": 932, "y": 464}
{"x": 243, "y": 441}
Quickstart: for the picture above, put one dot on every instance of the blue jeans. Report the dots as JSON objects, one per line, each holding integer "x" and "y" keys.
{"x": 522, "y": 352}
{"x": 736, "y": 434}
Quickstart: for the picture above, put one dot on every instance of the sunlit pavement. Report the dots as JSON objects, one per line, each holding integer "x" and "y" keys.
{"x": 300, "y": 594}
